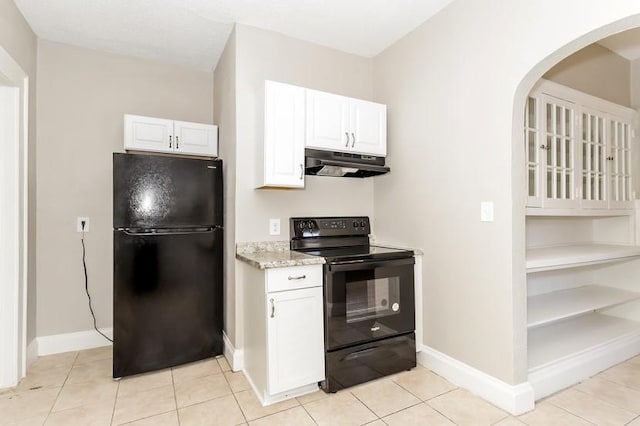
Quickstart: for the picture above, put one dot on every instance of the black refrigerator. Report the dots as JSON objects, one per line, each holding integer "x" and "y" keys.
{"x": 167, "y": 275}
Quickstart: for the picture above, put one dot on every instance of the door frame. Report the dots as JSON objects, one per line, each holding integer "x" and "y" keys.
{"x": 14, "y": 210}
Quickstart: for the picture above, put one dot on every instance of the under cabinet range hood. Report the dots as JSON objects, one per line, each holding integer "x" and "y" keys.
{"x": 342, "y": 164}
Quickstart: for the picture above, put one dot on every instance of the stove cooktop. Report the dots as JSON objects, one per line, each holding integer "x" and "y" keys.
{"x": 359, "y": 253}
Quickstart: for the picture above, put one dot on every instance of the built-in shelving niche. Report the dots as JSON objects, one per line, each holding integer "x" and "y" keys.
{"x": 583, "y": 297}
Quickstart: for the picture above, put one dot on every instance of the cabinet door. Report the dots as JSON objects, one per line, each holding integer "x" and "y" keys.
{"x": 327, "y": 121}
{"x": 284, "y": 135}
{"x": 593, "y": 162}
{"x": 619, "y": 160}
{"x": 148, "y": 133}
{"x": 368, "y": 128}
{"x": 196, "y": 138}
{"x": 533, "y": 150}
{"x": 558, "y": 179}
{"x": 295, "y": 339}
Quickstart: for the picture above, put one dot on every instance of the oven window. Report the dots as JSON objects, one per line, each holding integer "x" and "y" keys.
{"x": 374, "y": 298}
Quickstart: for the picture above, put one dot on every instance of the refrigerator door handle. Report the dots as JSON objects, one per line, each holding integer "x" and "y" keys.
{"x": 173, "y": 231}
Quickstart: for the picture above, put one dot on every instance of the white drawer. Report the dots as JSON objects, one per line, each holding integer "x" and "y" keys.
{"x": 294, "y": 277}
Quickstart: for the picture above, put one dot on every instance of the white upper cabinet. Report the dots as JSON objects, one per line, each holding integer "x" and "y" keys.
{"x": 368, "y": 127}
{"x": 338, "y": 123}
{"x": 195, "y": 138}
{"x": 161, "y": 135}
{"x": 283, "y": 136}
{"x": 578, "y": 150}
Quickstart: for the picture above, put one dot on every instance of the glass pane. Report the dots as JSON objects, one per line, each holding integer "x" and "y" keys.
{"x": 567, "y": 154}
{"x": 559, "y": 185}
{"x": 592, "y": 128}
{"x": 600, "y": 130}
{"x": 532, "y": 182}
{"x": 584, "y": 156}
{"x": 549, "y": 118}
{"x": 558, "y": 152}
{"x": 591, "y": 157}
{"x": 559, "y": 119}
{"x": 592, "y": 189}
{"x": 531, "y": 116}
{"x": 600, "y": 187}
{"x": 599, "y": 160}
{"x": 533, "y": 152}
{"x": 549, "y": 184}
{"x": 585, "y": 126}
{"x": 549, "y": 143}
{"x": 568, "y": 128}
{"x": 567, "y": 185}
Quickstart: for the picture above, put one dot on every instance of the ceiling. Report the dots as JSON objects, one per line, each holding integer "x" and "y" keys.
{"x": 625, "y": 44}
{"x": 193, "y": 32}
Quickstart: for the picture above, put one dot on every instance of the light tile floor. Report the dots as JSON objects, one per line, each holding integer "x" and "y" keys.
{"x": 76, "y": 388}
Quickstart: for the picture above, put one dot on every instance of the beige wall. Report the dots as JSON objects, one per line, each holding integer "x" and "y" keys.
{"x": 82, "y": 96}
{"x": 20, "y": 42}
{"x": 264, "y": 55}
{"x": 455, "y": 119}
{"x": 597, "y": 71}
{"x": 224, "y": 107}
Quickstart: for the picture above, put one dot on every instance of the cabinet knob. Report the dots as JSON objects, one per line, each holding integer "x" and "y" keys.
{"x": 347, "y": 135}
{"x": 273, "y": 308}
{"x": 354, "y": 140}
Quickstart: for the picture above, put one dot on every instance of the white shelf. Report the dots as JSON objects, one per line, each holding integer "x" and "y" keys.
{"x": 539, "y": 211}
{"x": 563, "y": 304}
{"x": 556, "y": 342}
{"x": 561, "y": 257}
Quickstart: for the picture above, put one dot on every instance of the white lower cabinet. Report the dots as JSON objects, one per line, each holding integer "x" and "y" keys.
{"x": 283, "y": 330}
{"x": 294, "y": 339}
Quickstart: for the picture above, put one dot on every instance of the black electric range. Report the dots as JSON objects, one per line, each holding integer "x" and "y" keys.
{"x": 369, "y": 305}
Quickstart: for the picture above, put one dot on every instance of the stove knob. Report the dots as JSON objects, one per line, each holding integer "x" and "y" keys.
{"x": 355, "y": 223}
{"x": 363, "y": 223}
{"x": 301, "y": 225}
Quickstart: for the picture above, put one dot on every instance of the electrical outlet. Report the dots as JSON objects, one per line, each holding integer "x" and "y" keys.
{"x": 274, "y": 226}
{"x": 486, "y": 211}
{"x": 79, "y": 221}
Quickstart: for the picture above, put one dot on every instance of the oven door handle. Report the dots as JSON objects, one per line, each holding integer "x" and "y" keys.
{"x": 355, "y": 265}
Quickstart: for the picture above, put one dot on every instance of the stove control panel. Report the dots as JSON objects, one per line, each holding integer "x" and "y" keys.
{"x": 301, "y": 227}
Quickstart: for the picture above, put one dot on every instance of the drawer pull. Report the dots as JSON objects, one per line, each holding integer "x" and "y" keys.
{"x": 273, "y": 308}
{"x": 358, "y": 354}
{"x": 299, "y": 277}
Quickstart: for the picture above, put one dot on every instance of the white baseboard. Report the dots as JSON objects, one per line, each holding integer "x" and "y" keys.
{"x": 572, "y": 370}
{"x": 235, "y": 357}
{"x": 516, "y": 399}
{"x": 58, "y": 343}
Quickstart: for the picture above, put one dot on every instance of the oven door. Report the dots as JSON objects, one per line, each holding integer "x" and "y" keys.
{"x": 368, "y": 300}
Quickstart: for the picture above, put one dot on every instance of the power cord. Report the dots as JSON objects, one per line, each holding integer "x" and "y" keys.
{"x": 86, "y": 285}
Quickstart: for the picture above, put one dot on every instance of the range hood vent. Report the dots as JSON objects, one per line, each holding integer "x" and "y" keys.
{"x": 343, "y": 164}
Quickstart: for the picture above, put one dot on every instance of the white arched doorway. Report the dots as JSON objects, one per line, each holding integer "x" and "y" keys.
{"x": 596, "y": 362}
{"x": 13, "y": 219}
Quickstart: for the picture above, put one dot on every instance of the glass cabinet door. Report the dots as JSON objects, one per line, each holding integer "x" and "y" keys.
{"x": 593, "y": 159}
{"x": 559, "y": 146}
{"x": 619, "y": 161}
{"x": 533, "y": 153}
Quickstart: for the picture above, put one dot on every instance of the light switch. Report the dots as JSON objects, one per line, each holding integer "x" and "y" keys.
{"x": 486, "y": 211}
{"x": 274, "y": 226}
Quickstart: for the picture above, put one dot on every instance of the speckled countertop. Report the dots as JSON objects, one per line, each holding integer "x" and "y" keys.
{"x": 273, "y": 254}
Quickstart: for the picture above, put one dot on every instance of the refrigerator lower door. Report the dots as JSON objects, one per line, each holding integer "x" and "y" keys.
{"x": 167, "y": 299}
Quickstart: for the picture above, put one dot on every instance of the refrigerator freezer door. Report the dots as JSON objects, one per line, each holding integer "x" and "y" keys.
{"x": 167, "y": 299}
{"x": 152, "y": 191}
